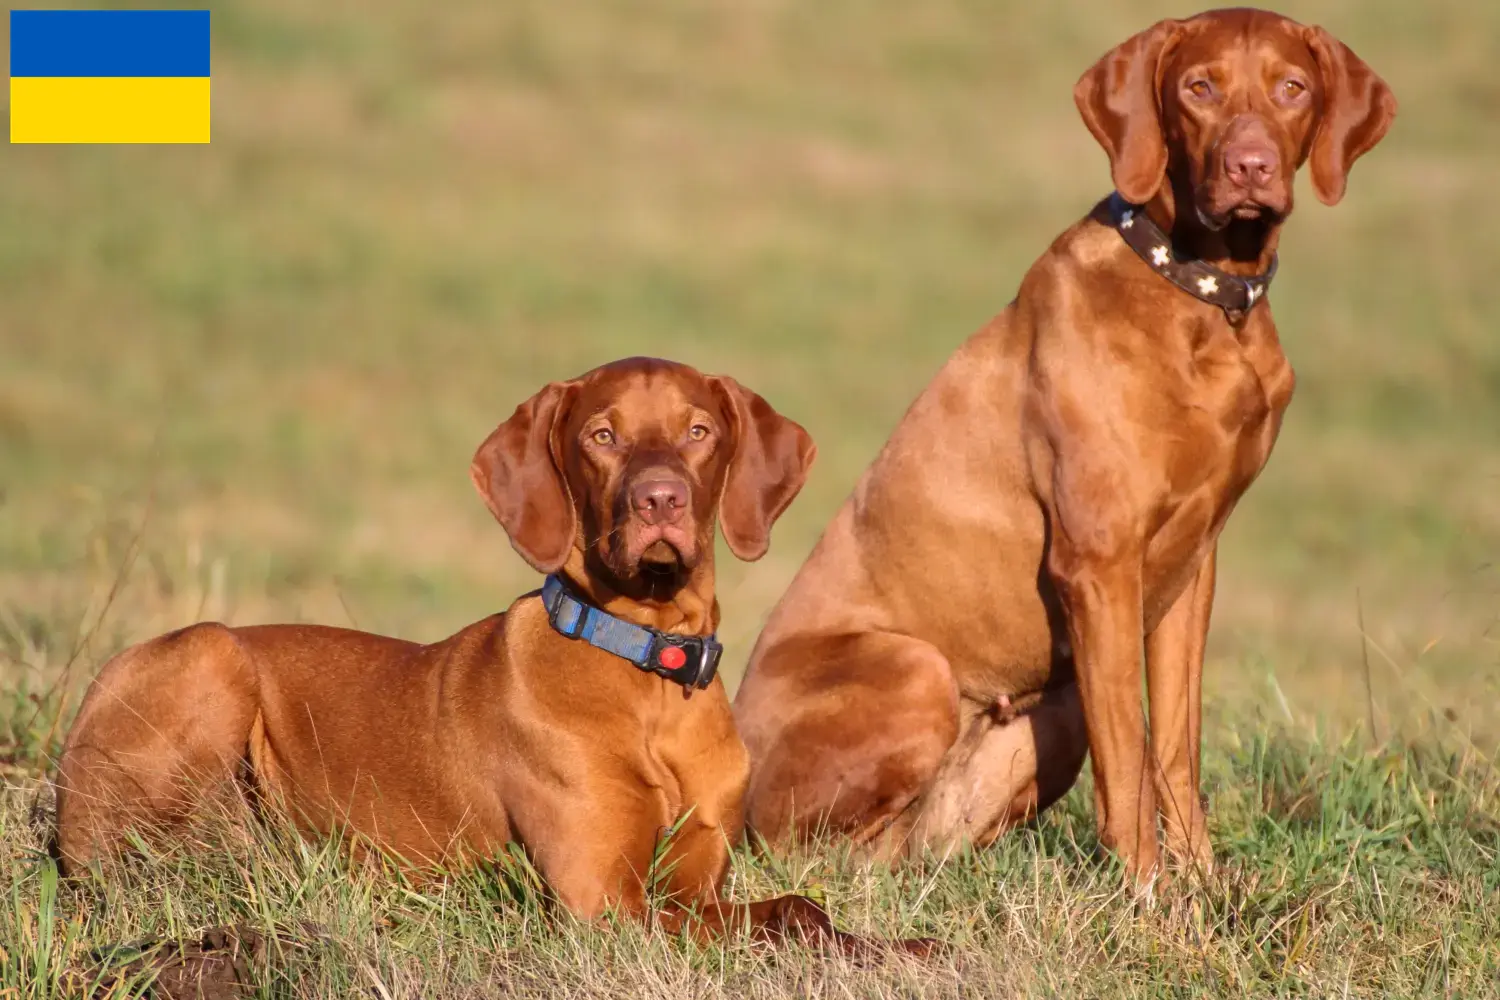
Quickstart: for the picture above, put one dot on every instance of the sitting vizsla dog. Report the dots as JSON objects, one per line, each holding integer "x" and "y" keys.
{"x": 974, "y": 618}
{"x": 580, "y": 724}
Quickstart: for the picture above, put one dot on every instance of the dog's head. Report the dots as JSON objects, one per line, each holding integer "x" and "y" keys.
{"x": 633, "y": 463}
{"x": 1225, "y": 106}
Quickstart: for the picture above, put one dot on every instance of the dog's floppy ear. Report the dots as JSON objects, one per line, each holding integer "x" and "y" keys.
{"x": 1119, "y": 98}
{"x": 517, "y": 473}
{"x": 768, "y": 463}
{"x": 1358, "y": 109}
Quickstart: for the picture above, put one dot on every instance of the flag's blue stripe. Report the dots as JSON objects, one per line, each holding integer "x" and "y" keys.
{"x": 109, "y": 43}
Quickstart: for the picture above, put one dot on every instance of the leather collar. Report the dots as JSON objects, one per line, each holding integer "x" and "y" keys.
{"x": 1231, "y": 293}
{"x": 689, "y": 660}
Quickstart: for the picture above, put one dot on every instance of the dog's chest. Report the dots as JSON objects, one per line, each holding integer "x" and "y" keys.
{"x": 692, "y": 754}
{"x": 1223, "y": 409}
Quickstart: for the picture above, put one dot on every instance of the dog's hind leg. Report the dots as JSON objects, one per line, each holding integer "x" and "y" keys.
{"x": 163, "y": 729}
{"x": 851, "y": 758}
{"x": 1001, "y": 773}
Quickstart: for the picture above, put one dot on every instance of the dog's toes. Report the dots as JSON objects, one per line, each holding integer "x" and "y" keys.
{"x": 803, "y": 919}
{"x": 920, "y": 947}
{"x": 875, "y": 951}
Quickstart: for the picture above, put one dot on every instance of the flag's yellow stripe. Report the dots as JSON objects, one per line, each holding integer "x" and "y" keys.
{"x": 109, "y": 109}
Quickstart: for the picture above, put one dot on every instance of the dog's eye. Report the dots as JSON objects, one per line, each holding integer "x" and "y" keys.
{"x": 603, "y": 436}
{"x": 1293, "y": 89}
{"x": 697, "y": 432}
{"x": 1201, "y": 89}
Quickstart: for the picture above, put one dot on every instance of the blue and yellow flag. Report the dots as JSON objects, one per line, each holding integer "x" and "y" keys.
{"x": 109, "y": 75}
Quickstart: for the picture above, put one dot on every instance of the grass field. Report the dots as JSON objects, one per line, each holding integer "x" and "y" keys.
{"x": 244, "y": 380}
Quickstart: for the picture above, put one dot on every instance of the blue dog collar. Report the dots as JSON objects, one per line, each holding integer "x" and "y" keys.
{"x": 689, "y": 660}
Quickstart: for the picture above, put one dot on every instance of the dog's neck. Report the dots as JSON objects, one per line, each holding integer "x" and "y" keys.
{"x": 681, "y": 602}
{"x": 1244, "y": 247}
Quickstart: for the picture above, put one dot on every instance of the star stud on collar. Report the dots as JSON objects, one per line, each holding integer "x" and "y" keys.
{"x": 1208, "y": 285}
{"x": 1160, "y": 255}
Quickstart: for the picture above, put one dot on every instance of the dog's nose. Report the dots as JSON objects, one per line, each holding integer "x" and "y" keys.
{"x": 660, "y": 501}
{"x": 1251, "y": 164}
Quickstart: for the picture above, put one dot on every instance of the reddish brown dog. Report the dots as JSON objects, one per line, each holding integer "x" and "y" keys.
{"x": 974, "y": 618}
{"x": 507, "y": 732}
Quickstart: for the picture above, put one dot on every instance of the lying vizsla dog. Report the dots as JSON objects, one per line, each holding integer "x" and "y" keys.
{"x": 580, "y": 724}
{"x": 974, "y": 618}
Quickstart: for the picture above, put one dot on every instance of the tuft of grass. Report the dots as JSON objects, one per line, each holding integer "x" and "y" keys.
{"x": 1347, "y": 866}
{"x": 286, "y": 344}
{"x": 1343, "y": 869}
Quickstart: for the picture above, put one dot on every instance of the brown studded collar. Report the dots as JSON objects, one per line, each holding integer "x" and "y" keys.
{"x": 1233, "y": 294}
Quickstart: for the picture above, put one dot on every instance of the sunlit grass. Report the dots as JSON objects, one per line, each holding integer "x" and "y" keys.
{"x": 1345, "y": 868}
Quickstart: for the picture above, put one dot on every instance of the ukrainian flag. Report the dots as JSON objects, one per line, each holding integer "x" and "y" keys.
{"x": 109, "y": 75}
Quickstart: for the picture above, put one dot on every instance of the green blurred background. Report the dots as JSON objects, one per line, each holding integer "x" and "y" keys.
{"x": 244, "y": 380}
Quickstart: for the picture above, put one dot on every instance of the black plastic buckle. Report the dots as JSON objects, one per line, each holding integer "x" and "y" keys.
{"x": 554, "y": 613}
{"x": 699, "y": 656}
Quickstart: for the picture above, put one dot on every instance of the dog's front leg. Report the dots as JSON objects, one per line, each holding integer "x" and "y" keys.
{"x": 1100, "y": 589}
{"x": 1174, "y": 678}
{"x": 781, "y": 919}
